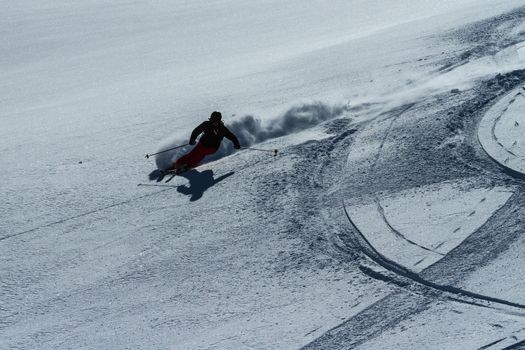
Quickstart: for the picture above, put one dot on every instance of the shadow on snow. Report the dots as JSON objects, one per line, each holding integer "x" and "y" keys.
{"x": 198, "y": 183}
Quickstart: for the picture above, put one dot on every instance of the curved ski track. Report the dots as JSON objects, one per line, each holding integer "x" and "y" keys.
{"x": 362, "y": 327}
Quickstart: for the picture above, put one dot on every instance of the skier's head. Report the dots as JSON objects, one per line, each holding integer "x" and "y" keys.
{"x": 216, "y": 117}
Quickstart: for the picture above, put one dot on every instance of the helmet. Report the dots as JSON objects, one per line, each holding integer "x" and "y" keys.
{"x": 216, "y": 116}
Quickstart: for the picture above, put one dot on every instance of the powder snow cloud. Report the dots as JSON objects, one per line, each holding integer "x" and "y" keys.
{"x": 251, "y": 130}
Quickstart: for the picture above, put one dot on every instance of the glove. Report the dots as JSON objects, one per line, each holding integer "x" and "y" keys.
{"x": 192, "y": 142}
{"x": 237, "y": 146}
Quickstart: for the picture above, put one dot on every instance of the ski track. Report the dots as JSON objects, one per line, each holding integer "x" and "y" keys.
{"x": 399, "y": 234}
{"x": 372, "y": 253}
{"x": 400, "y": 270}
{"x": 360, "y": 328}
{"x": 503, "y": 167}
{"x": 350, "y": 245}
{"x": 518, "y": 346}
{"x": 94, "y": 211}
{"x": 393, "y": 119}
{"x": 491, "y": 344}
{"x": 365, "y": 325}
{"x": 493, "y": 130}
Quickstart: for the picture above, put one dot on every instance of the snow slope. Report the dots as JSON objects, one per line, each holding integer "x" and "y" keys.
{"x": 375, "y": 104}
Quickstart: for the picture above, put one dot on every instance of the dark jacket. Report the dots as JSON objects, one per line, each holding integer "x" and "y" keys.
{"x": 213, "y": 135}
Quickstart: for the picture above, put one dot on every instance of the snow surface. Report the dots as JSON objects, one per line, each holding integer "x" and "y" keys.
{"x": 419, "y": 226}
{"x": 367, "y": 101}
{"x": 501, "y": 131}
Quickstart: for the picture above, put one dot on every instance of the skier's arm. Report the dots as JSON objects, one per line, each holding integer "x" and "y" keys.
{"x": 196, "y": 132}
{"x": 230, "y": 136}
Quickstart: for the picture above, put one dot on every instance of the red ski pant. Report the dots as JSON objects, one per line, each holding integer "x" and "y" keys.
{"x": 195, "y": 156}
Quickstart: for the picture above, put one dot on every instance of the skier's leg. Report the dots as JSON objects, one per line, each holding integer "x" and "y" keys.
{"x": 192, "y": 159}
{"x": 206, "y": 151}
{"x": 185, "y": 159}
{"x": 200, "y": 154}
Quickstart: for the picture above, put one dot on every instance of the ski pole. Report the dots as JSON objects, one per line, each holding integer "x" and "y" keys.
{"x": 166, "y": 150}
{"x": 274, "y": 151}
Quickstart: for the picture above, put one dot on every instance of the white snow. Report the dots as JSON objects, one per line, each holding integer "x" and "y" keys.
{"x": 417, "y": 227}
{"x": 502, "y": 276}
{"x": 250, "y": 251}
{"x": 501, "y": 131}
{"x": 444, "y": 328}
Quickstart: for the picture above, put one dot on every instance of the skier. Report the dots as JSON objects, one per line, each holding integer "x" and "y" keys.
{"x": 213, "y": 131}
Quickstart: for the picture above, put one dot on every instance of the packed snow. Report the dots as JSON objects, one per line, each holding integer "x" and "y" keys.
{"x": 501, "y": 130}
{"x": 419, "y": 226}
{"x": 390, "y": 217}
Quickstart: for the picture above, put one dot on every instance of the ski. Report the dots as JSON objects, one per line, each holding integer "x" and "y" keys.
{"x": 173, "y": 173}
{"x": 171, "y": 177}
{"x": 160, "y": 175}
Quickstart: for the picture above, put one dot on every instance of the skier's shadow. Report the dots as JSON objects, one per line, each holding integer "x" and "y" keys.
{"x": 199, "y": 182}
